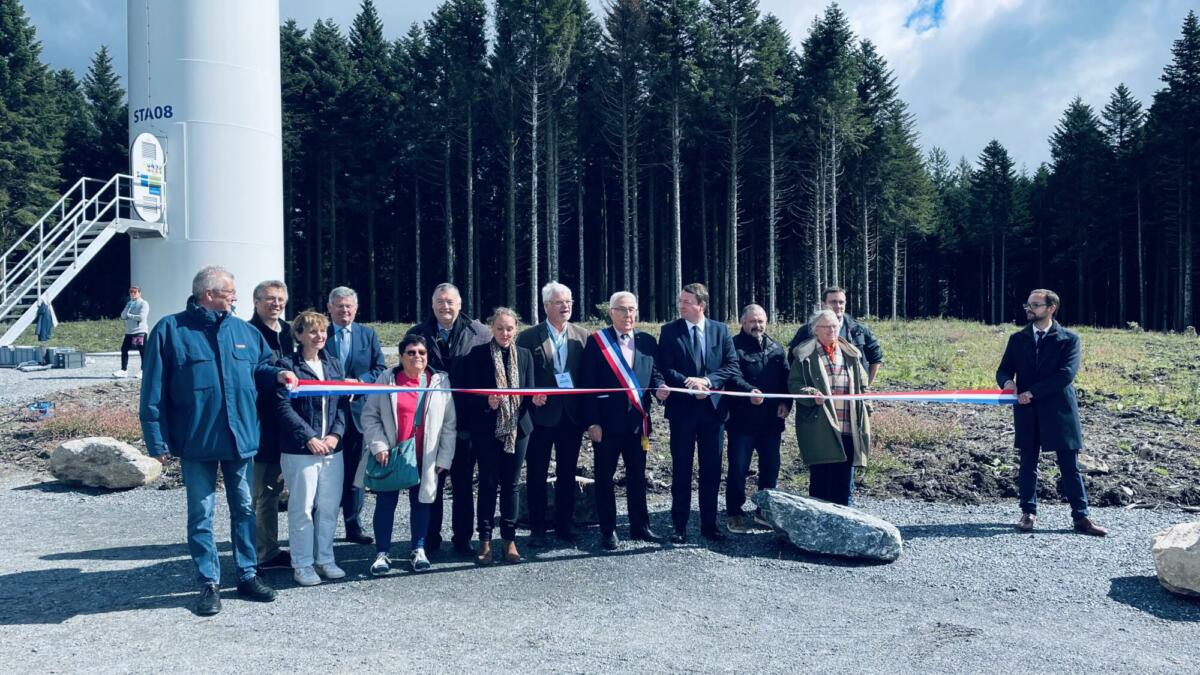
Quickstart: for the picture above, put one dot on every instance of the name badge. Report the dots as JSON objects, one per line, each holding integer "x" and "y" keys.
{"x": 564, "y": 381}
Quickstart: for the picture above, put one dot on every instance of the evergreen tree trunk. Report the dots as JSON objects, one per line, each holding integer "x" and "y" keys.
{"x": 635, "y": 273}
{"x": 583, "y": 294}
{"x": 510, "y": 222}
{"x": 866, "y": 278}
{"x": 651, "y": 268}
{"x": 372, "y": 297}
{"x": 472, "y": 291}
{"x": 626, "y": 229}
{"x": 551, "y": 189}
{"x": 731, "y": 267}
{"x": 318, "y": 285}
{"x": 418, "y": 292}
{"x": 448, "y": 208}
{"x": 833, "y": 200}
{"x": 1120, "y": 271}
{"x": 605, "y": 243}
{"x": 338, "y": 272}
{"x": 772, "y": 224}
{"x": 1141, "y": 262}
{"x": 704, "y": 232}
{"x": 676, "y": 215}
{"x": 535, "y": 109}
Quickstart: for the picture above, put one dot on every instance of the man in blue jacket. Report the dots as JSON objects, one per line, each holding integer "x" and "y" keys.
{"x": 201, "y": 376}
{"x": 695, "y": 353}
{"x": 357, "y": 348}
{"x": 1040, "y": 364}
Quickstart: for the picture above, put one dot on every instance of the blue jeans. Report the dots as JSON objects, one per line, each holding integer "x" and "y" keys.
{"x": 1072, "y": 481}
{"x": 385, "y": 518}
{"x": 200, "y": 481}
{"x": 741, "y": 446}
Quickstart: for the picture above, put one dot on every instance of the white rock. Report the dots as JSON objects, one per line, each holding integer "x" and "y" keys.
{"x": 1177, "y": 558}
{"x": 1093, "y": 465}
{"x": 103, "y": 462}
{"x": 832, "y": 529}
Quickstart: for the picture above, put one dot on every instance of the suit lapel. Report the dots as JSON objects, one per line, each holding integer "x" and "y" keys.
{"x": 547, "y": 344}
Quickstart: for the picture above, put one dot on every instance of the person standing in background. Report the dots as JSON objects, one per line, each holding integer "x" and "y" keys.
{"x": 136, "y": 317}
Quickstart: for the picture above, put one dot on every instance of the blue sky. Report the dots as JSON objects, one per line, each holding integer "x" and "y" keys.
{"x": 971, "y": 70}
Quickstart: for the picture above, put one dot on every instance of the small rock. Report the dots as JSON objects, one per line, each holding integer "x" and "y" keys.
{"x": 585, "y": 501}
{"x": 832, "y": 529}
{"x": 1093, "y": 465}
{"x": 103, "y": 462}
{"x": 1177, "y": 558}
{"x": 1127, "y": 491}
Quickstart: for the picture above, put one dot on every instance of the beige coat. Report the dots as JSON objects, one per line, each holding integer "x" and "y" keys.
{"x": 817, "y": 430}
{"x": 379, "y": 431}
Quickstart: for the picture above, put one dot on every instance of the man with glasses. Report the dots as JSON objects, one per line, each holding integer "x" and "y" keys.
{"x": 557, "y": 346}
{"x": 854, "y": 332}
{"x": 203, "y": 370}
{"x": 1040, "y": 364}
{"x": 270, "y": 301}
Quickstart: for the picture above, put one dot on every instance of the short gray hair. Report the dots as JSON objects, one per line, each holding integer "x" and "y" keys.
{"x": 342, "y": 292}
{"x": 269, "y": 283}
{"x": 752, "y": 308}
{"x": 445, "y": 287}
{"x": 553, "y": 287}
{"x": 821, "y": 313}
{"x": 209, "y": 278}
{"x": 621, "y": 294}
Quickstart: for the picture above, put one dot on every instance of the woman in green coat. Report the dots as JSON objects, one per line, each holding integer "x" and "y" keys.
{"x": 834, "y": 435}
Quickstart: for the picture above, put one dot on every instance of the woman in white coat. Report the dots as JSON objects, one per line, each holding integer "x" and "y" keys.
{"x": 386, "y": 421}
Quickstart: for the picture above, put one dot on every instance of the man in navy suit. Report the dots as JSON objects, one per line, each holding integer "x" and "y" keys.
{"x": 1040, "y": 364}
{"x": 357, "y": 348}
{"x": 619, "y": 428}
{"x": 697, "y": 354}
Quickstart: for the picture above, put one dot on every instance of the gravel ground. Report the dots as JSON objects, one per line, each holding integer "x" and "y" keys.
{"x": 102, "y": 582}
{"x": 17, "y": 388}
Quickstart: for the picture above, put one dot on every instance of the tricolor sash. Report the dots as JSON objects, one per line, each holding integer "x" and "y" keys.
{"x": 624, "y": 373}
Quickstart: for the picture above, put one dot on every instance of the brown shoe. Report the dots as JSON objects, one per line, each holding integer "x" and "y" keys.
{"x": 1027, "y": 523}
{"x": 511, "y": 555}
{"x": 1086, "y": 526}
{"x": 484, "y": 555}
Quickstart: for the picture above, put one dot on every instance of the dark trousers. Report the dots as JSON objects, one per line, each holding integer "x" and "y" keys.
{"x": 499, "y": 471}
{"x": 352, "y": 497}
{"x": 565, "y": 439}
{"x": 615, "y": 446}
{"x": 834, "y": 482}
{"x": 462, "y": 481}
{"x": 1072, "y": 481}
{"x": 135, "y": 341}
{"x": 695, "y": 438}
{"x": 741, "y": 446}
{"x": 385, "y": 518}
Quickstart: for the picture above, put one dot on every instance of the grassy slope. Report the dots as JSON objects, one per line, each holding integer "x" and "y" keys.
{"x": 925, "y": 354}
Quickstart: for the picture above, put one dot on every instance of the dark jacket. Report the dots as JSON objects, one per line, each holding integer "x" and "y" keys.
{"x": 614, "y": 413}
{"x": 45, "y": 322}
{"x": 281, "y": 344}
{"x": 365, "y": 363}
{"x": 537, "y": 340}
{"x": 857, "y": 334}
{"x": 676, "y": 364}
{"x": 299, "y": 419}
{"x": 476, "y": 371}
{"x": 1052, "y": 418}
{"x": 201, "y": 375}
{"x": 763, "y": 366}
{"x": 465, "y": 335}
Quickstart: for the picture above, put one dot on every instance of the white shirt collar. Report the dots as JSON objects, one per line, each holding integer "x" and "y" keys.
{"x": 699, "y": 324}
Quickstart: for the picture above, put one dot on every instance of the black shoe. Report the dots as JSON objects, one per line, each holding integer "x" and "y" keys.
{"x": 210, "y": 600}
{"x": 279, "y": 561}
{"x": 537, "y": 540}
{"x": 433, "y": 545}
{"x": 646, "y": 534}
{"x": 354, "y": 535}
{"x": 713, "y": 534}
{"x": 565, "y": 535}
{"x": 254, "y": 589}
{"x": 679, "y": 537}
{"x": 609, "y": 541}
{"x": 463, "y": 548}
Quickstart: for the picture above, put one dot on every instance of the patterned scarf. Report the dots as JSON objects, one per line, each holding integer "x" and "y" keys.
{"x": 506, "y": 414}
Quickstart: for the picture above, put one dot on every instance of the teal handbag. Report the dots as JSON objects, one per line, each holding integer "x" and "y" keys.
{"x": 401, "y": 471}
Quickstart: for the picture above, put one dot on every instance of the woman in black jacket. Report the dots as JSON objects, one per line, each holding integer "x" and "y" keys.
{"x": 310, "y": 431}
{"x": 499, "y": 427}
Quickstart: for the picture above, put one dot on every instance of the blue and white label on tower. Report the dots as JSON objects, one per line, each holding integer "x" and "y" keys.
{"x": 147, "y": 165}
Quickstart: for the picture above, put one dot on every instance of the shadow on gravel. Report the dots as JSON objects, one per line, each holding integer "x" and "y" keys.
{"x": 147, "y": 552}
{"x": 106, "y": 378}
{"x": 1146, "y": 594}
{"x": 968, "y": 531}
{"x": 60, "y": 487}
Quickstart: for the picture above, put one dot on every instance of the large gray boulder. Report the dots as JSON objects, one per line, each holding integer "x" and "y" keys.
{"x": 1177, "y": 558}
{"x": 585, "y": 501}
{"x": 832, "y": 529}
{"x": 103, "y": 462}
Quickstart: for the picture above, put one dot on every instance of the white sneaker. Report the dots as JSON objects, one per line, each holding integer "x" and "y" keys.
{"x": 382, "y": 564}
{"x": 306, "y": 576}
{"x": 331, "y": 571}
{"x": 121, "y": 373}
{"x": 420, "y": 563}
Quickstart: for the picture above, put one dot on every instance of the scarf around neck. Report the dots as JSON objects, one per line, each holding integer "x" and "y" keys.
{"x": 506, "y": 414}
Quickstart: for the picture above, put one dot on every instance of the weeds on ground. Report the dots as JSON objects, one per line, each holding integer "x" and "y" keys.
{"x": 78, "y": 421}
{"x": 896, "y": 428}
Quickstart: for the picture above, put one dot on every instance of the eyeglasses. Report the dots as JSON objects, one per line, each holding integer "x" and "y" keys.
{"x": 625, "y": 310}
{"x": 414, "y": 353}
{"x": 1034, "y": 305}
{"x": 825, "y": 327}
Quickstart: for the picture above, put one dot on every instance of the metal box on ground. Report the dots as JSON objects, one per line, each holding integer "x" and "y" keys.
{"x": 68, "y": 359}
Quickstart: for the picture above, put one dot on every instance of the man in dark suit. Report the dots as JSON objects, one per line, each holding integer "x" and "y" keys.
{"x": 1040, "y": 364}
{"x": 450, "y": 337}
{"x": 697, "y": 354}
{"x": 557, "y": 346}
{"x": 357, "y": 348}
{"x": 619, "y": 423}
{"x": 854, "y": 332}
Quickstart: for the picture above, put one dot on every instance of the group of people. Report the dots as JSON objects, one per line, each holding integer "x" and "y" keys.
{"x": 216, "y": 395}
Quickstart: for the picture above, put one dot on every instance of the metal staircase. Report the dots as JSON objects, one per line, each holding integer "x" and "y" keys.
{"x": 40, "y": 264}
